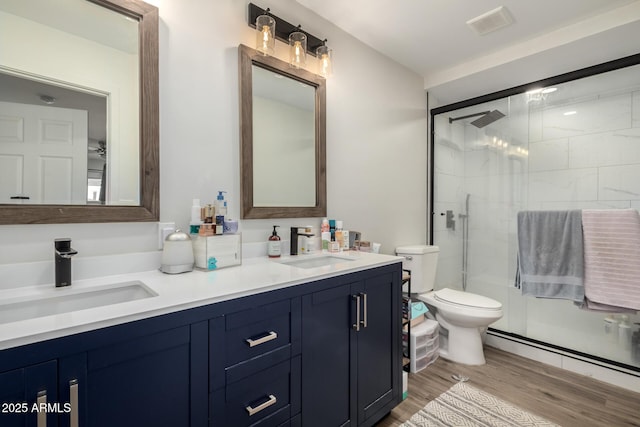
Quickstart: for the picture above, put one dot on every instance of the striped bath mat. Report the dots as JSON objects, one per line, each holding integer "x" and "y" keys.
{"x": 464, "y": 405}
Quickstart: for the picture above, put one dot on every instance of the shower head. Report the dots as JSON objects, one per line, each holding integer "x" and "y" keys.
{"x": 488, "y": 117}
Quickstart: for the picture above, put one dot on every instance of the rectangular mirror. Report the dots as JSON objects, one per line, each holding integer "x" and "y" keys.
{"x": 282, "y": 139}
{"x": 78, "y": 111}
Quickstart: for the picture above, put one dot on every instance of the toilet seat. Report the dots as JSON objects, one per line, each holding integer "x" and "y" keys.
{"x": 465, "y": 299}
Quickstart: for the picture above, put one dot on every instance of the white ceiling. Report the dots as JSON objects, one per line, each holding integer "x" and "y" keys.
{"x": 431, "y": 37}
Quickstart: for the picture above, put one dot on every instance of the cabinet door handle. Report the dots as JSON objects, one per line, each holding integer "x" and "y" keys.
{"x": 252, "y": 411}
{"x": 356, "y": 325}
{"x": 73, "y": 401}
{"x": 41, "y": 401}
{"x": 364, "y": 310}
{"x": 270, "y": 336}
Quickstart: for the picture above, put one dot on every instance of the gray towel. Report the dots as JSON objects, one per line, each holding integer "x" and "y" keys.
{"x": 551, "y": 254}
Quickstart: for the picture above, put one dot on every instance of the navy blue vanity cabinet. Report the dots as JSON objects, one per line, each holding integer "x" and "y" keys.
{"x": 24, "y": 390}
{"x": 255, "y": 364}
{"x": 351, "y": 373}
{"x": 137, "y": 382}
{"x": 324, "y": 353}
{"x": 150, "y": 372}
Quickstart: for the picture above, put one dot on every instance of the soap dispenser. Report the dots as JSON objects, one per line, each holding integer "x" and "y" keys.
{"x": 274, "y": 247}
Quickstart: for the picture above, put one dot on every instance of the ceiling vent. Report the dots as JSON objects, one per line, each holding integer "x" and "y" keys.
{"x": 491, "y": 21}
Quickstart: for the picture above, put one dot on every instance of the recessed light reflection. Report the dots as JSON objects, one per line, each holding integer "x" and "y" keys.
{"x": 570, "y": 113}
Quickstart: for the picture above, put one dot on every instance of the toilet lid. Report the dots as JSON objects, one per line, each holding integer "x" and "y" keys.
{"x": 452, "y": 296}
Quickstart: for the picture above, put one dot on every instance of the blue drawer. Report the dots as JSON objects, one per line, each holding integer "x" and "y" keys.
{"x": 251, "y": 333}
{"x": 267, "y": 398}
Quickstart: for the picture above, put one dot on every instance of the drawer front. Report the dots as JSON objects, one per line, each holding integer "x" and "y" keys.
{"x": 267, "y": 398}
{"x": 255, "y": 332}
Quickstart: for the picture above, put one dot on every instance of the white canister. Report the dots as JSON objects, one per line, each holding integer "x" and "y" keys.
{"x": 177, "y": 254}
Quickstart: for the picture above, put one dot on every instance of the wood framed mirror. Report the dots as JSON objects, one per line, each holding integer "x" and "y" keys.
{"x": 282, "y": 139}
{"x": 144, "y": 204}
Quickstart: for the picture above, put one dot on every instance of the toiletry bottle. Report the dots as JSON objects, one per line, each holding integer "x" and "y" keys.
{"x": 194, "y": 225}
{"x": 339, "y": 236}
{"x": 611, "y": 328}
{"x": 221, "y": 208}
{"x": 274, "y": 247}
{"x": 624, "y": 332}
{"x": 345, "y": 240}
{"x": 304, "y": 234}
{"x": 332, "y": 229}
{"x": 326, "y": 238}
{"x": 325, "y": 234}
{"x": 312, "y": 245}
{"x": 209, "y": 212}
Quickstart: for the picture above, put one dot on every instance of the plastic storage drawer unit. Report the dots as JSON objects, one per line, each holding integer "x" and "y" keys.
{"x": 424, "y": 345}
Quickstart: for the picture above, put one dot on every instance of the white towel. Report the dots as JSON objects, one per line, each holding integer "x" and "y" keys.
{"x": 611, "y": 259}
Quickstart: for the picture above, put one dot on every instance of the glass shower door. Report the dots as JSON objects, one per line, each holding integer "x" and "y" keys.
{"x": 572, "y": 146}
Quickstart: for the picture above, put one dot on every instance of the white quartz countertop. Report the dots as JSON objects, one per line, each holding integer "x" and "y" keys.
{"x": 174, "y": 293}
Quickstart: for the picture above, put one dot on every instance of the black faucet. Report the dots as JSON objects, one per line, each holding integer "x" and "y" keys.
{"x": 63, "y": 253}
{"x": 293, "y": 247}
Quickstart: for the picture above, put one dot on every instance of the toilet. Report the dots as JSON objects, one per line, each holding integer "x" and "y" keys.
{"x": 462, "y": 315}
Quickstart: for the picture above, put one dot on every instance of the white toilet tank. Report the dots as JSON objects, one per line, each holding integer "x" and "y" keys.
{"x": 422, "y": 261}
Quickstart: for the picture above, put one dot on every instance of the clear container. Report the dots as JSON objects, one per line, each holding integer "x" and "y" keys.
{"x": 624, "y": 335}
{"x": 611, "y": 324}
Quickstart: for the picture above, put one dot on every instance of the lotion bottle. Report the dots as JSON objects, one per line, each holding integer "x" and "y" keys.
{"x": 274, "y": 248}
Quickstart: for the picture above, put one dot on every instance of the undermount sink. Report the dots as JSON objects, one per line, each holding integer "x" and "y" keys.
{"x": 314, "y": 262}
{"x": 64, "y": 300}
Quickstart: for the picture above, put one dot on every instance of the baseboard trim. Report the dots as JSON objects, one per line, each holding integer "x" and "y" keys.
{"x": 598, "y": 370}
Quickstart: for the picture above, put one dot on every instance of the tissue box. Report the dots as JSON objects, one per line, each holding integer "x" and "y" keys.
{"x": 214, "y": 252}
{"x": 418, "y": 309}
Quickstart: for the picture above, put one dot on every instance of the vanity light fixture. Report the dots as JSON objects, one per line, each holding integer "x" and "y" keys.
{"x": 297, "y": 49}
{"x": 265, "y": 34}
{"x": 289, "y": 33}
{"x": 325, "y": 60}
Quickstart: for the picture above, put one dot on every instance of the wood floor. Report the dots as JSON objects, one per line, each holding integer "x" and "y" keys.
{"x": 561, "y": 396}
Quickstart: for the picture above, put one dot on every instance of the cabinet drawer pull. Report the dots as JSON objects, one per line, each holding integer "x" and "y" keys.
{"x": 41, "y": 400}
{"x": 270, "y": 336}
{"x": 252, "y": 411}
{"x": 73, "y": 400}
{"x": 356, "y": 325}
{"x": 364, "y": 314}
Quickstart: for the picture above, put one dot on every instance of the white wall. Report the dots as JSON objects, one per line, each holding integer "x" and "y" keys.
{"x": 376, "y": 123}
{"x": 376, "y": 136}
